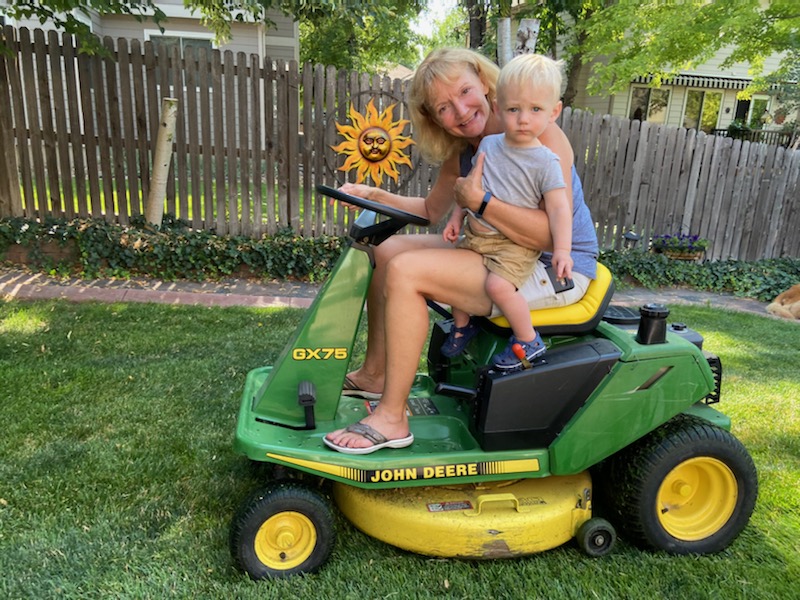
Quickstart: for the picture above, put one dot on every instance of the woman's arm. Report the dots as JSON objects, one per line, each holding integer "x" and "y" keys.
{"x": 433, "y": 207}
{"x": 556, "y": 140}
{"x": 528, "y": 227}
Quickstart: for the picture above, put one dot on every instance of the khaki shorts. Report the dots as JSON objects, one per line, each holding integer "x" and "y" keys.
{"x": 501, "y": 256}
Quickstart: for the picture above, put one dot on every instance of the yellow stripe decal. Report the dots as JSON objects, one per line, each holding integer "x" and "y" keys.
{"x": 472, "y": 469}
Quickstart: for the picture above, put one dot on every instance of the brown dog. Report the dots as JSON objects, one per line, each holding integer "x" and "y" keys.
{"x": 787, "y": 304}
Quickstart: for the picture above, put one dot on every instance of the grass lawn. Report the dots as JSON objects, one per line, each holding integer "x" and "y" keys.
{"x": 118, "y": 478}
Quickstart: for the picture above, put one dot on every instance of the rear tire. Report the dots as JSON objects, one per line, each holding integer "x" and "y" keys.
{"x": 283, "y": 530}
{"x": 688, "y": 487}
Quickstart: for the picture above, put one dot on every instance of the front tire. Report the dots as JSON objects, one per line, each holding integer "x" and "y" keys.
{"x": 688, "y": 487}
{"x": 283, "y": 530}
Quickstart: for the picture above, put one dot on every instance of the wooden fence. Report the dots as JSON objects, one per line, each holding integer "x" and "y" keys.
{"x": 253, "y": 139}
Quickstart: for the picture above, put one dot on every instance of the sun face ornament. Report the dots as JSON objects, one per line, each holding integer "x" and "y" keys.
{"x": 373, "y": 144}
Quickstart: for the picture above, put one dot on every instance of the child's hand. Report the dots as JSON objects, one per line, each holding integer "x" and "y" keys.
{"x": 451, "y": 231}
{"x": 562, "y": 263}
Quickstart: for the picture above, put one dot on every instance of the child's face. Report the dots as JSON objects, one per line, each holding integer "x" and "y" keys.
{"x": 526, "y": 110}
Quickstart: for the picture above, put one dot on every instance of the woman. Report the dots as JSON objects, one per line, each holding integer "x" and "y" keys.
{"x": 451, "y": 100}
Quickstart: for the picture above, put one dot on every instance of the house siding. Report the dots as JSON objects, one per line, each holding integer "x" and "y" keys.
{"x": 617, "y": 105}
{"x": 278, "y": 41}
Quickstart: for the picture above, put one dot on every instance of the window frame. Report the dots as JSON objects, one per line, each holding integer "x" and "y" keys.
{"x": 650, "y": 90}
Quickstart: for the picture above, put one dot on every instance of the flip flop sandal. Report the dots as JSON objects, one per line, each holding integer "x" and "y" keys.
{"x": 350, "y": 388}
{"x": 453, "y": 346}
{"x": 373, "y": 435}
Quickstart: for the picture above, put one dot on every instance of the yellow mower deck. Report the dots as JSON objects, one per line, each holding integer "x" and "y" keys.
{"x": 497, "y": 520}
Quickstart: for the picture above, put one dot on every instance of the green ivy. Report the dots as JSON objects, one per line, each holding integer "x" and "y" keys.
{"x": 174, "y": 251}
{"x": 762, "y": 279}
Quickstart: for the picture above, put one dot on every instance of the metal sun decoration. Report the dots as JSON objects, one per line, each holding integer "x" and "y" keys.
{"x": 373, "y": 144}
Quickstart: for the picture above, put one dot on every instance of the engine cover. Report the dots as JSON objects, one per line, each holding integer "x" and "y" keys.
{"x": 527, "y": 409}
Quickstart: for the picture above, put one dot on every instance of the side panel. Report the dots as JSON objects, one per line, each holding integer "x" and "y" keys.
{"x": 655, "y": 383}
{"x": 319, "y": 350}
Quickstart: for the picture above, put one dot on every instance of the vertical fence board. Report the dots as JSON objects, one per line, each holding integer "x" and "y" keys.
{"x": 132, "y": 201}
{"x": 64, "y": 201}
{"x": 180, "y": 156}
{"x": 271, "y": 141}
{"x": 34, "y": 208}
{"x": 52, "y": 202}
{"x": 243, "y": 146}
{"x": 117, "y": 204}
{"x": 141, "y": 162}
{"x": 292, "y": 148}
{"x": 13, "y": 132}
{"x": 258, "y": 172}
{"x": 206, "y": 142}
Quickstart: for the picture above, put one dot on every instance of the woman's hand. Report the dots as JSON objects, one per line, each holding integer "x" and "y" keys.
{"x": 354, "y": 189}
{"x": 469, "y": 190}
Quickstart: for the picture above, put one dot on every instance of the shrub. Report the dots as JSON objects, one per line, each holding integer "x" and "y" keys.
{"x": 172, "y": 252}
{"x": 762, "y": 279}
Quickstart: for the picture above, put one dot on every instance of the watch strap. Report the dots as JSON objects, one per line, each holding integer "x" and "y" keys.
{"x": 486, "y": 197}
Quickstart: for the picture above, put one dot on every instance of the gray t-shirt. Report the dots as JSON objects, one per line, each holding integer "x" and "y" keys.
{"x": 584, "y": 236}
{"x": 518, "y": 176}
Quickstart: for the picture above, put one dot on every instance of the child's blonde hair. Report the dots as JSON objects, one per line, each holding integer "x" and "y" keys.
{"x": 542, "y": 71}
{"x": 447, "y": 65}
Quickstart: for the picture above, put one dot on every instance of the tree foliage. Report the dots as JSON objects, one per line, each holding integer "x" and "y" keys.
{"x": 361, "y": 41}
{"x": 62, "y": 14}
{"x": 661, "y": 39}
{"x": 356, "y": 18}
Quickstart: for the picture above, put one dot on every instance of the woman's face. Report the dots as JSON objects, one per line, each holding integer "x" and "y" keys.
{"x": 459, "y": 106}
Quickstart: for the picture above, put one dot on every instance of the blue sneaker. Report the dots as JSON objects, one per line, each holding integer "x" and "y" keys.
{"x": 458, "y": 338}
{"x": 507, "y": 360}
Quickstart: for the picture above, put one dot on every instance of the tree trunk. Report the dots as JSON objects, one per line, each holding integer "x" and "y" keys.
{"x": 477, "y": 23}
{"x": 162, "y": 156}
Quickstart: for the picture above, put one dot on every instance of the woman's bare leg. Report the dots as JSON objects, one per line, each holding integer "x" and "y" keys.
{"x": 456, "y": 278}
{"x": 369, "y": 376}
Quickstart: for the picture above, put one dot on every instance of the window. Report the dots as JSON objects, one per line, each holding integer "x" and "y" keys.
{"x": 176, "y": 76}
{"x": 181, "y": 42}
{"x": 649, "y": 104}
{"x": 702, "y": 110}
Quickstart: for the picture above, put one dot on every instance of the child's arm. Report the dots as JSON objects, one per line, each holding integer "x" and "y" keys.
{"x": 453, "y": 227}
{"x": 559, "y": 214}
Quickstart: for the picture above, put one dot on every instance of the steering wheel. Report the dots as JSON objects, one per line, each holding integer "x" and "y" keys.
{"x": 382, "y": 209}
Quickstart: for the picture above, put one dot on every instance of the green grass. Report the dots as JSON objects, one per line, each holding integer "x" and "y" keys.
{"x": 118, "y": 478}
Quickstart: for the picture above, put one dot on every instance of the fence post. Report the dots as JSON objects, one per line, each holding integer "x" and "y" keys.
{"x": 162, "y": 156}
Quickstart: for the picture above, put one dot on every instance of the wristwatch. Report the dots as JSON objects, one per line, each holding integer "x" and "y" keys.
{"x": 486, "y": 197}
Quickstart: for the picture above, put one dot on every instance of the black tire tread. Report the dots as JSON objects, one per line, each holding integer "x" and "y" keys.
{"x": 272, "y": 499}
{"x": 629, "y": 481}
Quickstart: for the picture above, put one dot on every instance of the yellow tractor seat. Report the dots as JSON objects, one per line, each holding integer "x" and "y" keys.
{"x": 574, "y": 319}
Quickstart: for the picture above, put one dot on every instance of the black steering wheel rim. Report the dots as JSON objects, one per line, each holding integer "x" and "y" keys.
{"x": 382, "y": 209}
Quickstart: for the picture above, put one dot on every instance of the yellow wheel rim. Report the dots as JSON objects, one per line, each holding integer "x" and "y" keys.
{"x": 285, "y": 540}
{"x": 697, "y": 498}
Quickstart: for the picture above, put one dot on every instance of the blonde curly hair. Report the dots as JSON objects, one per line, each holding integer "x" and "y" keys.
{"x": 444, "y": 64}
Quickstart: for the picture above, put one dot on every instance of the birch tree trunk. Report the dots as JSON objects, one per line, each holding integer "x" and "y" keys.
{"x": 154, "y": 211}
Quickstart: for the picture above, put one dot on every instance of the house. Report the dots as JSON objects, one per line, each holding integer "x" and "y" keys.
{"x": 182, "y": 27}
{"x": 704, "y": 98}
